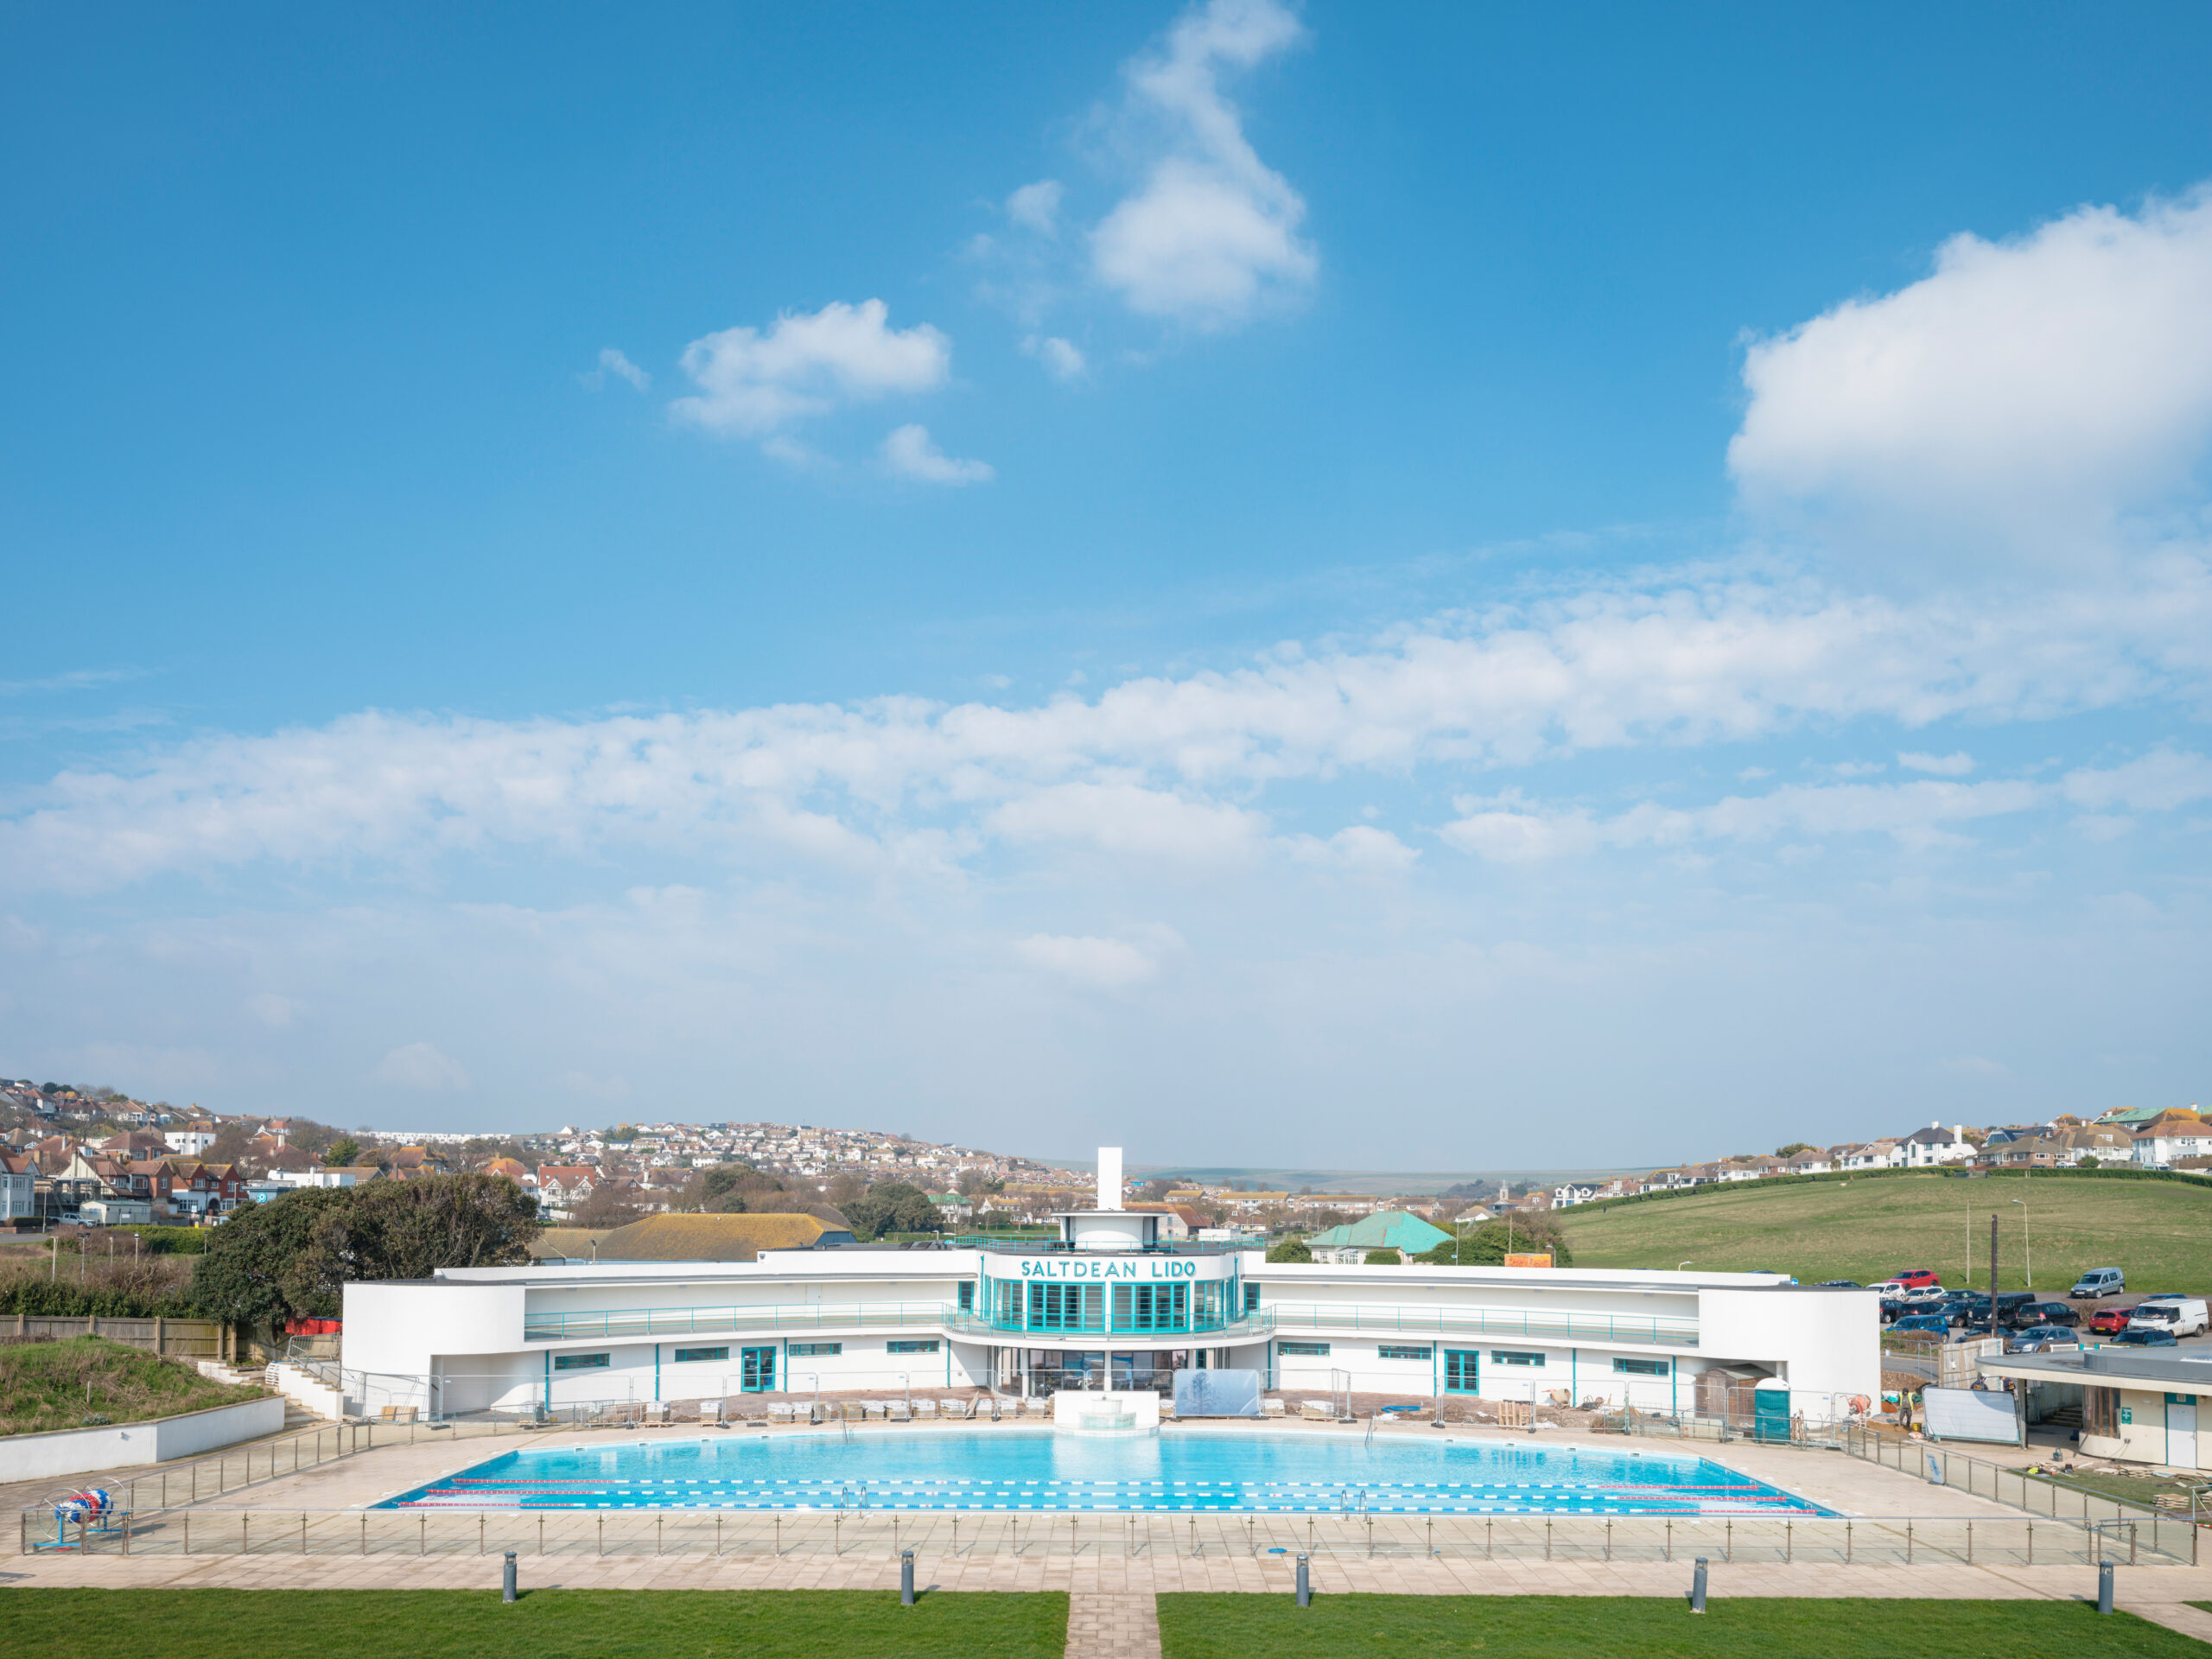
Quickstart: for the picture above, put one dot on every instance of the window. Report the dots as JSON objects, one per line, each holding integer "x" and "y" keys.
{"x": 1006, "y": 1295}
{"x": 922, "y": 1345}
{"x": 582, "y": 1361}
{"x": 686, "y": 1355}
{"x": 1208, "y": 1300}
{"x": 1303, "y": 1350}
{"x": 1462, "y": 1371}
{"x": 1251, "y": 1299}
{"x": 1151, "y": 1308}
{"x": 1067, "y": 1308}
{"x": 966, "y": 1296}
{"x": 1402, "y": 1351}
{"x": 1640, "y": 1367}
{"x": 817, "y": 1350}
{"x": 1509, "y": 1356}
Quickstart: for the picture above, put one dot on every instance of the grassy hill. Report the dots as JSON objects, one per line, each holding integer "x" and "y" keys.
{"x": 2160, "y": 1232}
{"x": 86, "y": 1381}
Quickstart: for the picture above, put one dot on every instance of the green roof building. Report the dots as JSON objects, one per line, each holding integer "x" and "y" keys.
{"x": 1394, "y": 1230}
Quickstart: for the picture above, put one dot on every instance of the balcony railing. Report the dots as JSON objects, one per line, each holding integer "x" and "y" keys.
{"x": 1487, "y": 1322}
{"x": 1255, "y": 1326}
{"x": 1013, "y": 1244}
{"x": 692, "y": 1321}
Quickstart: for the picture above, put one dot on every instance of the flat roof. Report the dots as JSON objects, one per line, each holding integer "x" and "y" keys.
{"x": 2109, "y": 1368}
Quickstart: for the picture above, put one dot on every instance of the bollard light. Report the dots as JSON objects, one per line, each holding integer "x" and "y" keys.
{"x": 1697, "y": 1587}
{"x": 2104, "y": 1586}
{"x": 507, "y": 1579}
{"x": 1304, "y": 1584}
{"x": 906, "y": 1578}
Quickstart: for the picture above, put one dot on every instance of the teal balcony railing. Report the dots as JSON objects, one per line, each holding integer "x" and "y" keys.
{"x": 1302, "y": 1316}
{"x": 1255, "y": 1326}
{"x": 693, "y": 1321}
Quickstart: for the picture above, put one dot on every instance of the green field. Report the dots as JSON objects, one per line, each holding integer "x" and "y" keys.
{"x": 543, "y": 1624}
{"x": 1607, "y": 1627}
{"x": 2160, "y": 1232}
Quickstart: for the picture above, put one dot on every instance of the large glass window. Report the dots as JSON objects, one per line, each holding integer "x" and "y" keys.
{"x": 967, "y": 1295}
{"x": 1151, "y": 1308}
{"x": 1209, "y": 1299}
{"x": 1067, "y": 1308}
{"x": 1006, "y": 1303}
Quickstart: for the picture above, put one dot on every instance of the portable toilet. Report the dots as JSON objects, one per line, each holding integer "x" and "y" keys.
{"x": 1771, "y": 1410}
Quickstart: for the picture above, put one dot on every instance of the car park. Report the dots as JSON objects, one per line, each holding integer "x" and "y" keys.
{"x": 2098, "y": 1281}
{"x": 2185, "y": 1316}
{"x": 2138, "y": 1336}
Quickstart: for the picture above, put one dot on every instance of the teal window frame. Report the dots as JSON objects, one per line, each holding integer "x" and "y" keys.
{"x": 695, "y": 1356}
{"x": 1528, "y": 1358}
{"x": 757, "y": 1369}
{"x": 582, "y": 1361}
{"x": 1067, "y": 1308}
{"x": 911, "y": 1345}
{"x": 967, "y": 1295}
{"x": 1643, "y": 1367}
{"x": 1302, "y": 1349}
{"x": 1404, "y": 1350}
{"x": 816, "y": 1350}
{"x": 1463, "y": 1371}
{"x": 1251, "y": 1299}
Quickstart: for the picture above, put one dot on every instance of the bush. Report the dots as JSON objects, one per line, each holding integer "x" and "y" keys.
{"x": 1290, "y": 1249}
{"x": 1385, "y": 1257}
{"x": 1490, "y": 1243}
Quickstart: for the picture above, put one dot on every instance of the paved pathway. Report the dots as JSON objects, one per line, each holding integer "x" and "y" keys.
{"x": 1121, "y": 1624}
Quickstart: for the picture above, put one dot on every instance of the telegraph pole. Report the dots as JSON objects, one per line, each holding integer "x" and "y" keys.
{"x": 1992, "y": 1267}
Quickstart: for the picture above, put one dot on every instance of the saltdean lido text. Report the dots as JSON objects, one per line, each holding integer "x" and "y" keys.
{"x": 1076, "y": 1268}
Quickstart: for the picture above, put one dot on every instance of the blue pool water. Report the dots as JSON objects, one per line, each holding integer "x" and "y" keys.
{"x": 1037, "y": 1468}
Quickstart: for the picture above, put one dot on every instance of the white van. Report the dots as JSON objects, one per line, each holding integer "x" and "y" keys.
{"x": 2182, "y": 1315}
{"x": 2100, "y": 1281}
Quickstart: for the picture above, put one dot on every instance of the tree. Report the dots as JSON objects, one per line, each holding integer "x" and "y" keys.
{"x": 606, "y": 1206}
{"x": 342, "y": 1152}
{"x": 291, "y": 1257}
{"x": 891, "y": 1207}
{"x": 1289, "y": 1249}
{"x": 1488, "y": 1245}
{"x": 1385, "y": 1257}
{"x": 1793, "y": 1148}
{"x": 2089, "y": 1162}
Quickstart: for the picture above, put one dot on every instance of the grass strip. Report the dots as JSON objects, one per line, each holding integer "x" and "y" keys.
{"x": 1210, "y": 1626}
{"x": 543, "y": 1624}
{"x": 85, "y": 1381}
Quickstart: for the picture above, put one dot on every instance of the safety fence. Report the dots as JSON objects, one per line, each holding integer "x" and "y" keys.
{"x": 1901, "y": 1542}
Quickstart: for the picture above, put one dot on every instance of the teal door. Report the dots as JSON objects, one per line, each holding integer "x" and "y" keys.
{"x": 1770, "y": 1413}
{"x": 1462, "y": 1370}
{"x": 758, "y": 1373}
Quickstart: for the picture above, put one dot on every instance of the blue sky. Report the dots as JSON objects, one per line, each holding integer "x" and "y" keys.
{"x": 1560, "y": 585}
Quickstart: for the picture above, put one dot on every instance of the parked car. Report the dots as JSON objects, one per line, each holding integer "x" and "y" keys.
{"x": 1933, "y": 1325}
{"x": 1968, "y": 1307}
{"x": 2106, "y": 1321}
{"x": 1913, "y": 1278}
{"x": 2047, "y": 1313}
{"x": 2006, "y": 1307}
{"x": 2100, "y": 1281}
{"x": 2144, "y": 1336}
{"x": 1839, "y": 1284}
{"x": 2041, "y": 1338}
{"x": 1924, "y": 1296}
{"x": 2185, "y": 1316}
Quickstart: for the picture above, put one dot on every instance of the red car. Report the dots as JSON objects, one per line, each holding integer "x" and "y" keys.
{"x": 2109, "y": 1321}
{"x": 1915, "y": 1278}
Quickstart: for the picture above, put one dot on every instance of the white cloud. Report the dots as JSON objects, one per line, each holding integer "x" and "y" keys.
{"x": 1942, "y": 765}
{"x": 273, "y": 1011}
{"x": 1062, "y": 360}
{"x": 751, "y": 383}
{"x": 420, "y": 1066}
{"x": 2157, "y": 782}
{"x": 908, "y": 453}
{"x": 1037, "y": 207}
{"x": 1129, "y": 819}
{"x": 1212, "y": 233}
{"x": 614, "y": 363}
{"x": 1361, "y": 848}
{"x": 1107, "y": 964}
{"x": 2009, "y": 406}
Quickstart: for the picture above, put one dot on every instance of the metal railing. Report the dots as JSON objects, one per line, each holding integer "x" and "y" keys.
{"x": 1254, "y": 1326}
{"x": 1345, "y": 1531}
{"x": 697, "y": 1321}
{"x": 1568, "y": 1327}
{"x": 999, "y": 1243}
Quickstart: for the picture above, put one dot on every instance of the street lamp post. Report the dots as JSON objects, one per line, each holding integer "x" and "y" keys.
{"x": 2027, "y": 1244}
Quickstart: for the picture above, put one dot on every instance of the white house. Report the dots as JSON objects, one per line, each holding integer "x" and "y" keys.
{"x": 2167, "y": 1142}
{"x": 191, "y": 1140}
{"x": 1936, "y": 1145}
{"x": 18, "y": 1187}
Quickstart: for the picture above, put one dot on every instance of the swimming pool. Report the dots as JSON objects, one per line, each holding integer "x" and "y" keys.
{"x": 1179, "y": 1469}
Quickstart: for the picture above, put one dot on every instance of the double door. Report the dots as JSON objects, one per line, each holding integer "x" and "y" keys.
{"x": 756, "y": 1371}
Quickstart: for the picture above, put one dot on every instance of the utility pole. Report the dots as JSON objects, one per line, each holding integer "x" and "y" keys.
{"x": 1993, "y": 1268}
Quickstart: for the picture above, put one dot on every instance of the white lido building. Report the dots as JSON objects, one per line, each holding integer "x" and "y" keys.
{"x": 1109, "y": 1304}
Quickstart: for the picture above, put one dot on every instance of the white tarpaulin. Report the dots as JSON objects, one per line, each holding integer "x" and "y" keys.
{"x": 1970, "y": 1415}
{"x": 1217, "y": 1393}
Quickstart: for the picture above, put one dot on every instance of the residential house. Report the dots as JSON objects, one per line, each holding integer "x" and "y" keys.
{"x": 136, "y": 1144}
{"x": 1394, "y": 1230}
{"x": 18, "y": 1187}
{"x": 1936, "y": 1145}
{"x": 2027, "y": 1153}
{"x": 193, "y": 1139}
{"x": 418, "y": 1161}
{"x": 951, "y": 1207}
{"x": 2171, "y": 1138}
{"x": 1885, "y": 1153}
{"x": 1811, "y": 1161}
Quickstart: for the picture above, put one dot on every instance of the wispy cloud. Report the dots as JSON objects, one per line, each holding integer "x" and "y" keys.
{"x": 908, "y": 454}
{"x": 614, "y": 363}
{"x": 754, "y": 383}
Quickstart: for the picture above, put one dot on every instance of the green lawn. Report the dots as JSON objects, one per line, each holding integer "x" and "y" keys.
{"x": 2159, "y": 1231}
{"x": 68, "y": 1384}
{"x": 543, "y": 1624}
{"x": 1600, "y": 1627}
